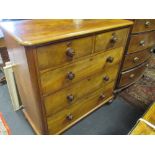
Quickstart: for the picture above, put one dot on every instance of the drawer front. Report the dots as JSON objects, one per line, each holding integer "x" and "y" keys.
{"x": 68, "y": 116}
{"x": 54, "y": 80}
{"x": 53, "y": 55}
{"x": 143, "y": 25}
{"x": 109, "y": 40}
{"x": 132, "y": 75}
{"x": 70, "y": 95}
{"x": 134, "y": 59}
{"x": 141, "y": 41}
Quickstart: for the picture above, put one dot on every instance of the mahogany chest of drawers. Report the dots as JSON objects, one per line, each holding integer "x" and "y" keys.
{"x": 139, "y": 48}
{"x": 64, "y": 69}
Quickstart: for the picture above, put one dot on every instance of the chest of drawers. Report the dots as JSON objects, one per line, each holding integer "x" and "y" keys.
{"x": 64, "y": 70}
{"x": 140, "y": 46}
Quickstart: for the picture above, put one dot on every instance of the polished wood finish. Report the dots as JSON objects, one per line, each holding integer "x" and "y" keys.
{"x": 81, "y": 69}
{"x": 54, "y": 55}
{"x": 143, "y": 25}
{"x": 35, "y": 32}
{"x": 132, "y": 60}
{"x": 132, "y": 75}
{"x": 109, "y": 40}
{"x": 141, "y": 128}
{"x": 60, "y": 76}
{"x": 81, "y": 107}
{"x": 53, "y": 103}
{"x": 141, "y": 41}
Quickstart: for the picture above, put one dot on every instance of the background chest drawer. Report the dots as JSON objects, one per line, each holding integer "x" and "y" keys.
{"x": 59, "y": 78}
{"x": 141, "y": 41}
{"x": 71, "y": 94}
{"x": 109, "y": 40}
{"x": 143, "y": 25}
{"x": 134, "y": 59}
{"x": 131, "y": 75}
{"x": 53, "y": 55}
{"x": 65, "y": 118}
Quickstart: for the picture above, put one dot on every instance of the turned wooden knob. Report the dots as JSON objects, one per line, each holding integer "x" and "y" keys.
{"x": 132, "y": 76}
{"x": 70, "y": 52}
{"x": 152, "y": 50}
{"x": 70, "y": 76}
{"x": 106, "y": 78}
{"x": 142, "y": 43}
{"x": 110, "y": 59}
{"x": 69, "y": 117}
{"x": 114, "y": 39}
{"x": 102, "y": 96}
{"x": 147, "y": 23}
{"x": 70, "y": 98}
{"x": 136, "y": 59}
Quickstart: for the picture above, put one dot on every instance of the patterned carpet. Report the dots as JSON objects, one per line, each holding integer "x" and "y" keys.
{"x": 142, "y": 93}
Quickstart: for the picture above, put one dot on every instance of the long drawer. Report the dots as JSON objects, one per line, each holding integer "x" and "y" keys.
{"x": 71, "y": 94}
{"x": 131, "y": 75}
{"x": 109, "y": 40}
{"x": 53, "y": 55}
{"x": 143, "y": 25}
{"x": 54, "y": 80}
{"x": 69, "y": 116}
{"x": 134, "y": 59}
{"x": 141, "y": 41}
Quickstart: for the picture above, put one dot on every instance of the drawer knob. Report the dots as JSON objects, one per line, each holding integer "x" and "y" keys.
{"x": 71, "y": 76}
{"x": 152, "y": 50}
{"x": 136, "y": 59}
{"x": 69, "y": 117}
{"x": 147, "y": 23}
{"x": 114, "y": 39}
{"x": 110, "y": 59}
{"x": 142, "y": 43}
{"x": 132, "y": 76}
{"x": 106, "y": 78}
{"x": 70, "y": 52}
{"x": 147, "y": 65}
{"x": 102, "y": 96}
{"x": 70, "y": 98}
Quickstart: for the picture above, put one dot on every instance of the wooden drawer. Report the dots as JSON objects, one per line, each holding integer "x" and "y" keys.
{"x": 134, "y": 59}
{"x": 141, "y": 41}
{"x": 112, "y": 39}
{"x": 53, "y": 55}
{"x": 70, "y": 95}
{"x": 54, "y": 80}
{"x": 131, "y": 75}
{"x": 143, "y": 25}
{"x": 69, "y": 116}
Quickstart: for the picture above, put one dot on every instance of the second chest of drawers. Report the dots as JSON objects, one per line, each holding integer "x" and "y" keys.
{"x": 140, "y": 45}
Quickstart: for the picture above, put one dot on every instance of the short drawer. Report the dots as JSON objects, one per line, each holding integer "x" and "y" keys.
{"x": 71, "y": 94}
{"x": 64, "y": 119}
{"x": 141, "y": 41}
{"x": 109, "y": 40}
{"x": 132, "y": 75}
{"x": 54, "y": 80}
{"x": 134, "y": 59}
{"x": 53, "y": 55}
{"x": 143, "y": 25}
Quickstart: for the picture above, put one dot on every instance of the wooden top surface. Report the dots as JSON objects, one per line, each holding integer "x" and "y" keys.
{"x": 33, "y": 32}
